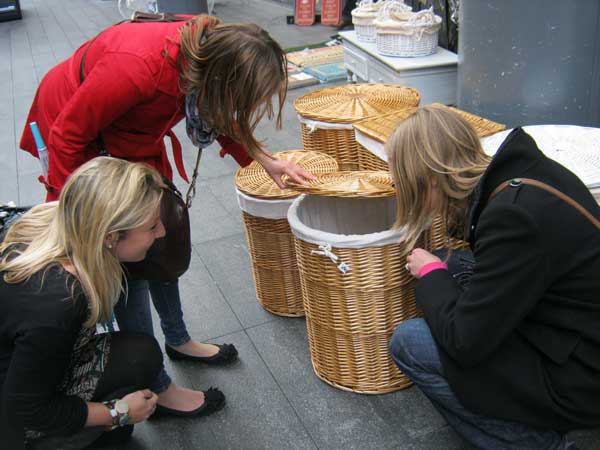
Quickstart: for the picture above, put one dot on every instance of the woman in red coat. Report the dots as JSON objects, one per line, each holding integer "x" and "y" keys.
{"x": 130, "y": 86}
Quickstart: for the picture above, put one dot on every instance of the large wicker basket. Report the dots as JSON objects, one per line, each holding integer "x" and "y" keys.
{"x": 270, "y": 244}
{"x": 326, "y": 116}
{"x": 372, "y": 133}
{"x": 355, "y": 285}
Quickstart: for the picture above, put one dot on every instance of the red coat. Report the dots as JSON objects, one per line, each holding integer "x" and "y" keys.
{"x": 130, "y": 95}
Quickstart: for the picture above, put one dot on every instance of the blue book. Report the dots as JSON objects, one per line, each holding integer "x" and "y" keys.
{"x": 328, "y": 72}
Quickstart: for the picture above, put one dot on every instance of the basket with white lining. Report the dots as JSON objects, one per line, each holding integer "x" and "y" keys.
{"x": 407, "y": 34}
{"x": 363, "y": 19}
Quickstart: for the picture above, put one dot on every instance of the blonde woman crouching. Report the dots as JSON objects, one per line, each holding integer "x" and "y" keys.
{"x": 509, "y": 349}
{"x": 60, "y": 276}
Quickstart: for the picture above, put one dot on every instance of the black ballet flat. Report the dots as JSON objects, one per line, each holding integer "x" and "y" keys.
{"x": 227, "y": 353}
{"x": 214, "y": 400}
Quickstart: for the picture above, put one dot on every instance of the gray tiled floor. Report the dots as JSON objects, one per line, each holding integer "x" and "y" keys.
{"x": 274, "y": 399}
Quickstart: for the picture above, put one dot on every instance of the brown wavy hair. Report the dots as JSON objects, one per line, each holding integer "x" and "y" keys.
{"x": 434, "y": 143}
{"x": 236, "y": 69}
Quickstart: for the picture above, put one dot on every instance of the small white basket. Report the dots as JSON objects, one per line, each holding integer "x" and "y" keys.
{"x": 407, "y": 35}
{"x": 363, "y": 18}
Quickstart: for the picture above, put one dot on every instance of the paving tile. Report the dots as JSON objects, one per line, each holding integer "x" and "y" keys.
{"x": 220, "y": 228}
{"x": 257, "y": 415}
{"x": 586, "y": 439}
{"x": 223, "y": 188}
{"x": 336, "y": 419}
{"x": 206, "y": 313}
{"x": 410, "y": 411}
{"x": 442, "y": 439}
{"x": 228, "y": 263}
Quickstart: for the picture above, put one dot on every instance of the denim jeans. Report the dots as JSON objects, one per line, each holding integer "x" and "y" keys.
{"x": 415, "y": 353}
{"x": 133, "y": 314}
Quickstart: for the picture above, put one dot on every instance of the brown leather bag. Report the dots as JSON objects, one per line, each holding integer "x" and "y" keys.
{"x": 169, "y": 257}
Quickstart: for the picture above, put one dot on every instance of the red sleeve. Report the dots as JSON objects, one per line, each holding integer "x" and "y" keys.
{"x": 235, "y": 149}
{"x": 116, "y": 83}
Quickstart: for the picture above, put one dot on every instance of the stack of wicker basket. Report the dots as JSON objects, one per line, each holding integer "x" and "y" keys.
{"x": 355, "y": 287}
{"x": 264, "y": 209}
{"x": 326, "y": 116}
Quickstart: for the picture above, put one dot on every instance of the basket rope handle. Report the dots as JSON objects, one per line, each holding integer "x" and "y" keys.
{"x": 325, "y": 250}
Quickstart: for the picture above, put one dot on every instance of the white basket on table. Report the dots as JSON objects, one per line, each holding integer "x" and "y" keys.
{"x": 407, "y": 34}
{"x": 363, "y": 18}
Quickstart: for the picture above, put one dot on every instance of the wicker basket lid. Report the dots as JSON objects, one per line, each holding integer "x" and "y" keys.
{"x": 351, "y": 184}
{"x": 253, "y": 180}
{"x": 381, "y": 127}
{"x": 355, "y": 101}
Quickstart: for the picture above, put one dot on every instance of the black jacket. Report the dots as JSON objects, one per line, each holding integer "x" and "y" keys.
{"x": 522, "y": 343}
{"x": 39, "y": 324}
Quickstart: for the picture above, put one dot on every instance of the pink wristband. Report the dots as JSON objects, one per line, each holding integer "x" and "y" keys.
{"x": 431, "y": 267}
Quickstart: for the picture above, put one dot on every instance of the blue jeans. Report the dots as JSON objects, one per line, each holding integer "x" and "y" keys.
{"x": 415, "y": 353}
{"x": 133, "y": 314}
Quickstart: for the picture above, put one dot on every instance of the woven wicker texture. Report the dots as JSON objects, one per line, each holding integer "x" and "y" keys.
{"x": 273, "y": 260}
{"x": 347, "y": 104}
{"x": 350, "y": 318}
{"x": 253, "y": 180}
{"x": 381, "y": 127}
{"x": 369, "y": 161}
{"x": 340, "y": 144}
{"x": 349, "y": 184}
{"x": 270, "y": 243}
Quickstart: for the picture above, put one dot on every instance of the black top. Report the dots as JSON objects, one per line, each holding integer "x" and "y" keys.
{"x": 522, "y": 342}
{"x": 39, "y": 324}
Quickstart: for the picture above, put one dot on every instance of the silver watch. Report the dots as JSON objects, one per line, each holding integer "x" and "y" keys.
{"x": 119, "y": 412}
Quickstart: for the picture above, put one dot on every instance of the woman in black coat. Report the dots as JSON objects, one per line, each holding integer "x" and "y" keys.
{"x": 509, "y": 350}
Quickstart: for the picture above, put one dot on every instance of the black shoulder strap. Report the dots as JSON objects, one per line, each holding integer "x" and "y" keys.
{"x": 518, "y": 181}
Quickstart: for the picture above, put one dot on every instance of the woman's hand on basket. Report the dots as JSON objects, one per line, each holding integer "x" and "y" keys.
{"x": 277, "y": 168}
{"x": 417, "y": 259}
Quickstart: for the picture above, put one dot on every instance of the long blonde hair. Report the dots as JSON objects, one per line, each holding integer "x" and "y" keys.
{"x": 105, "y": 195}
{"x": 434, "y": 143}
{"x": 236, "y": 69}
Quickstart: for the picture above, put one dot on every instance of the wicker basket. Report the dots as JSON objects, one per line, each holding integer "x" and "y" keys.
{"x": 326, "y": 116}
{"x": 363, "y": 19}
{"x": 354, "y": 282}
{"x": 372, "y": 133}
{"x": 270, "y": 244}
{"x": 407, "y": 35}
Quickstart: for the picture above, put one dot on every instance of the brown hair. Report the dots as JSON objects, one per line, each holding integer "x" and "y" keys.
{"x": 437, "y": 144}
{"x": 236, "y": 69}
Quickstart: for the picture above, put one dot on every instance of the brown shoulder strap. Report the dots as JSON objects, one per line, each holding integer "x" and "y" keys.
{"x": 518, "y": 181}
{"x": 139, "y": 16}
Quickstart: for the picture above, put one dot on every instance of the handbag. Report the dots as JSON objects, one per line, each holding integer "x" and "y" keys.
{"x": 169, "y": 257}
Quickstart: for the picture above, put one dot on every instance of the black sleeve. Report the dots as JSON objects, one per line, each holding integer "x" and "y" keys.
{"x": 508, "y": 281}
{"x": 30, "y": 398}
